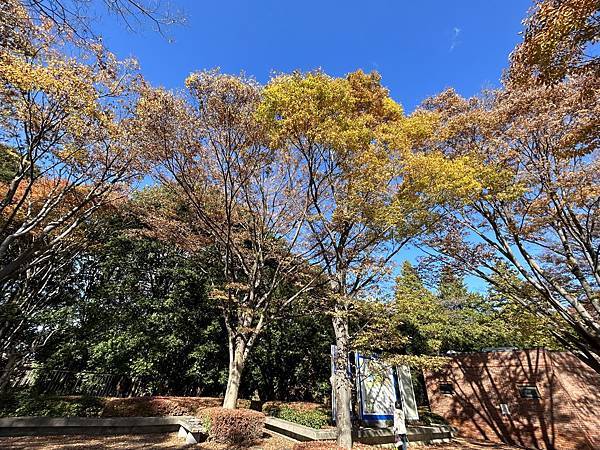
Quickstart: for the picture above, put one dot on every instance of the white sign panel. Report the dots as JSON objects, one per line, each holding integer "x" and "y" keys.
{"x": 378, "y": 388}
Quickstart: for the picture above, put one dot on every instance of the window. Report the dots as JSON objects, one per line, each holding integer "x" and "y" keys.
{"x": 446, "y": 388}
{"x": 529, "y": 391}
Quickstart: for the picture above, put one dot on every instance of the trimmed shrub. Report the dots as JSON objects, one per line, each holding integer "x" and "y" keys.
{"x": 157, "y": 406}
{"x": 311, "y": 418}
{"x": 233, "y": 426}
{"x": 308, "y": 414}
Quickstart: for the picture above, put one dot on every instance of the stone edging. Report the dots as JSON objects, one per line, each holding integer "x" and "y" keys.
{"x": 187, "y": 427}
{"x": 423, "y": 434}
{"x": 191, "y": 429}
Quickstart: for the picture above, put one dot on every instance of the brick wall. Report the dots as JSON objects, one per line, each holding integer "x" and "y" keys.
{"x": 565, "y": 417}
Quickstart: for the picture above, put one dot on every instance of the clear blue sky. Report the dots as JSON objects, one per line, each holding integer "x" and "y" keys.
{"x": 419, "y": 47}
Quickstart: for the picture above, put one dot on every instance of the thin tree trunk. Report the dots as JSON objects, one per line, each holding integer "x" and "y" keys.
{"x": 9, "y": 368}
{"x": 342, "y": 382}
{"x": 237, "y": 360}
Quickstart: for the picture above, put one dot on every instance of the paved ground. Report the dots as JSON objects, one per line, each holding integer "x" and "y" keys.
{"x": 173, "y": 442}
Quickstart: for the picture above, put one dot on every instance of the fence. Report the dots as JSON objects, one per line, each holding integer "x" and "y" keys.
{"x": 64, "y": 382}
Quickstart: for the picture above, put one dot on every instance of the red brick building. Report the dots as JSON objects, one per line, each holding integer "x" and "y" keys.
{"x": 532, "y": 398}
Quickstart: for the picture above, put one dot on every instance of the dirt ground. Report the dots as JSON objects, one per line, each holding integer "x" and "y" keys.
{"x": 173, "y": 442}
{"x": 134, "y": 442}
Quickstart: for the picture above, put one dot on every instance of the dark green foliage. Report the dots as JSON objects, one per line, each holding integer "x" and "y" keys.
{"x": 29, "y": 403}
{"x": 9, "y": 163}
{"x": 314, "y": 418}
{"x": 291, "y": 360}
{"x": 146, "y": 315}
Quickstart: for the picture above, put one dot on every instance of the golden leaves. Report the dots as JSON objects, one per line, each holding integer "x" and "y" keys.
{"x": 556, "y": 42}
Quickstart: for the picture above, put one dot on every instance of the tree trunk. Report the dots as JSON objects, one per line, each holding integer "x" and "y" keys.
{"x": 9, "y": 368}
{"x": 342, "y": 382}
{"x": 237, "y": 360}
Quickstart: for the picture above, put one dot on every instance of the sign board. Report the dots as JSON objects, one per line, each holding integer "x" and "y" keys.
{"x": 378, "y": 386}
{"x": 377, "y": 390}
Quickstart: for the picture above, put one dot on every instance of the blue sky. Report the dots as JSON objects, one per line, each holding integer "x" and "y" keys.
{"x": 419, "y": 47}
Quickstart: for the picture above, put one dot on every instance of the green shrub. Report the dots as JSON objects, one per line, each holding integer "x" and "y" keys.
{"x": 314, "y": 418}
{"x": 429, "y": 418}
{"x": 233, "y": 426}
{"x": 312, "y": 415}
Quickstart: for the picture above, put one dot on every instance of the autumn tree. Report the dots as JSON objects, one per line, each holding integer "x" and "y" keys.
{"x": 558, "y": 41}
{"x": 63, "y": 123}
{"x": 242, "y": 199}
{"x": 530, "y": 228}
{"x": 350, "y": 139}
{"x": 65, "y": 155}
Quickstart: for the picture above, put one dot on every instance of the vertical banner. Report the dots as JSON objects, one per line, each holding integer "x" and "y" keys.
{"x": 407, "y": 391}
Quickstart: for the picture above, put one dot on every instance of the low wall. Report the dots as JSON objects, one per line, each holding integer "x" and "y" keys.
{"x": 193, "y": 432}
{"x": 188, "y": 427}
{"x": 423, "y": 434}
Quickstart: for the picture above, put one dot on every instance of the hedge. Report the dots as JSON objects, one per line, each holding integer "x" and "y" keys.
{"x": 308, "y": 414}
{"x": 29, "y": 403}
{"x": 157, "y": 406}
{"x": 233, "y": 426}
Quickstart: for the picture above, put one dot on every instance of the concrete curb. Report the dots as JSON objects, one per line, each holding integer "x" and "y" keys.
{"x": 187, "y": 427}
{"x": 421, "y": 434}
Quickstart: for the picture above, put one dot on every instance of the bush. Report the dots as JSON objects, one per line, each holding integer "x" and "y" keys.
{"x": 426, "y": 417}
{"x": 233, "y": 426}
{"x": 312, "y": 418}
{"x": 157, "y": 406}
{"x": 308, "y": 414}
